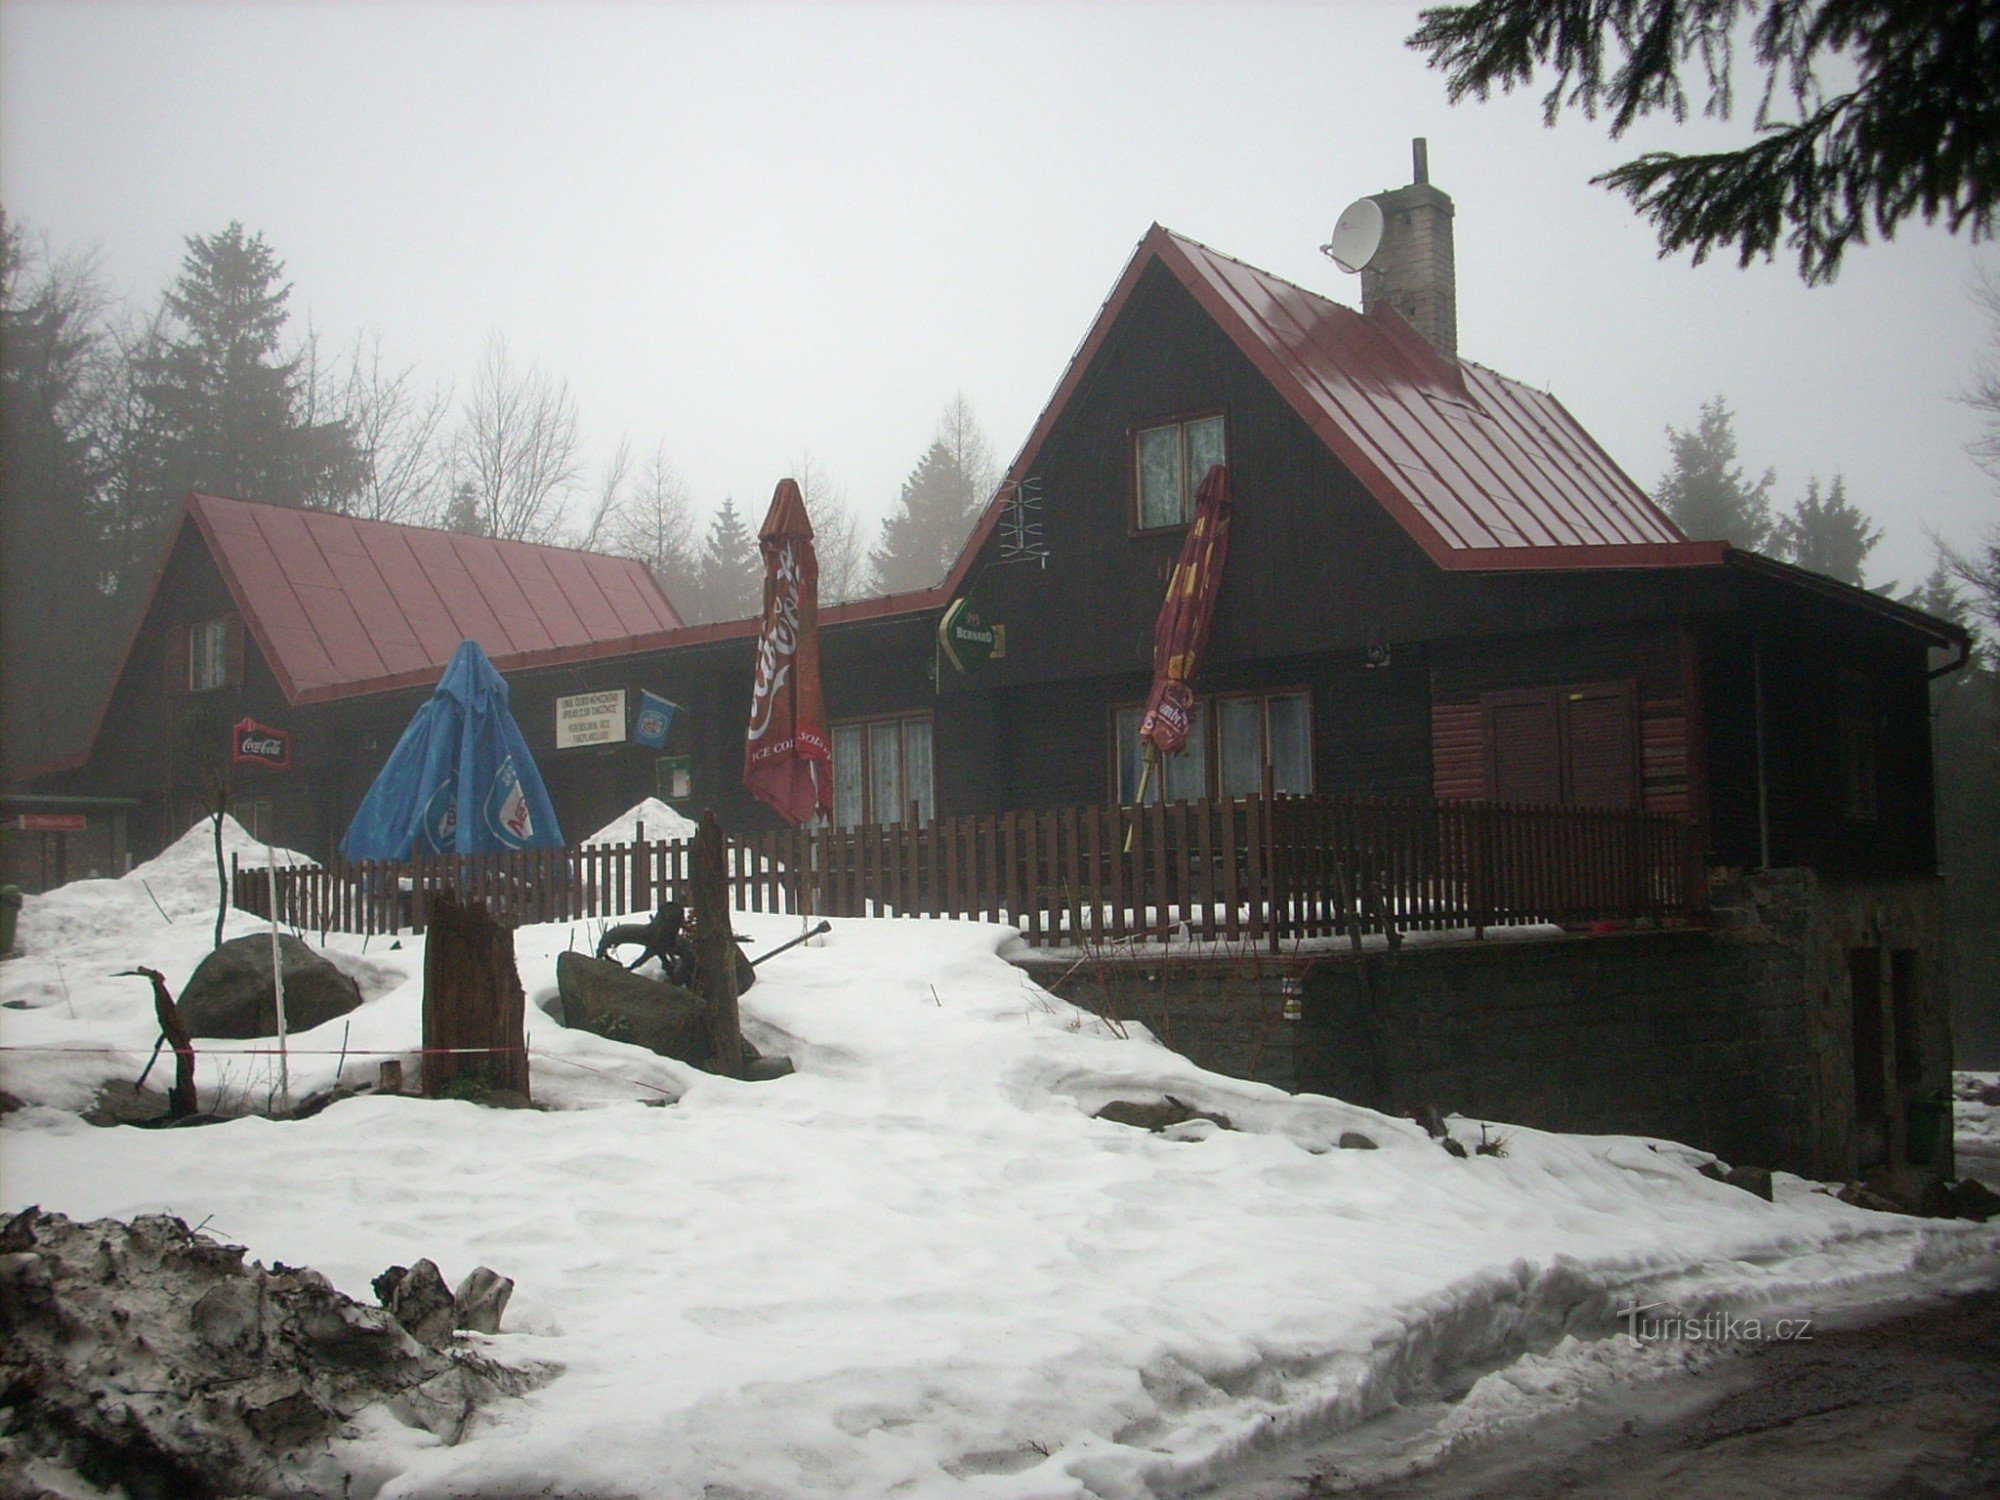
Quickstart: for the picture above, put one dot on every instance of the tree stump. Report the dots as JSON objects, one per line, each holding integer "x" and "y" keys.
{"x": 472, "y": 998}
{"x": 715, "y": 946}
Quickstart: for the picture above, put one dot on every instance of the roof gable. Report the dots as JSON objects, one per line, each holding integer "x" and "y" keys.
{"x": 1482, "y": 472}
{"x": 341, "y": 606}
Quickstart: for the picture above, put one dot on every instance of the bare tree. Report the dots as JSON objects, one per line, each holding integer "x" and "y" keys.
{"x": 519, "y": 452}
{"x": 958, "y": 429}
{"x": 839, "y": 540}
{"x": 1979, "y": 566}
{"x": 653, "y": 520}
{"x": 611, "y": 498}
{"x": 399, "y": 428}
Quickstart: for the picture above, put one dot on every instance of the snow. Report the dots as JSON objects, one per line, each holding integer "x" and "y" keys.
{"x": 917, "y": 1265}
{"x": 657, "y": 819}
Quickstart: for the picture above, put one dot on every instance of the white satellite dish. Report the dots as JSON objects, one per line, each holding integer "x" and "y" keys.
{"x": 1356, "y": 236}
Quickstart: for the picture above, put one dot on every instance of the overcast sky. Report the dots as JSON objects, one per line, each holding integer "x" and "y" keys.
{"x": 752, "y": 231}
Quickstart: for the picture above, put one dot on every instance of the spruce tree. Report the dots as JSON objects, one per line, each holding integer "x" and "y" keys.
{"x": 1827, "y": 533}
{"x": 729, "y": 577}
{"x": 219, "y": 406}
{"x": 1704, "y": 490}
{"x": 58, "y": 639}
{"x": 940, "y": 502}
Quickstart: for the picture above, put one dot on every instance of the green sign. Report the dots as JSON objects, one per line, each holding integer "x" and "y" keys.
{"x": 968, "y": 639}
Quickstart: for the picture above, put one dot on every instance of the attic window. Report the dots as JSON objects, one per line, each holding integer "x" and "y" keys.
{"x": 1170, "y": 462}
{"x": 208, "y": 655}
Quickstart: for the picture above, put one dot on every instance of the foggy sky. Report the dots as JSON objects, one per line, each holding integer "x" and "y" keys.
{"x": 753, "y": 231}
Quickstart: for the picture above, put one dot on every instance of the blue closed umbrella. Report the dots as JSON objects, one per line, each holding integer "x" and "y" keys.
{"x": 461, "y": 780}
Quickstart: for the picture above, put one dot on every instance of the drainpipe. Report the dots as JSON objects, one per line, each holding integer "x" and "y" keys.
{"x": 1763, "y": 776}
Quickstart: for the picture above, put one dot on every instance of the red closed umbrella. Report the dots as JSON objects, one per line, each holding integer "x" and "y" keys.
{"x": 787, "y": 760}
{"x": 1181, "y": 635}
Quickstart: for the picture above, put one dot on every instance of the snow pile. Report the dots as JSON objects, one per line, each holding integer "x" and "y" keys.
{"x": 179, "y": 886}
{"x": 919, "y": 1265}
{"x": 657, "y": 819}
{"x": 1976, "y": 1125}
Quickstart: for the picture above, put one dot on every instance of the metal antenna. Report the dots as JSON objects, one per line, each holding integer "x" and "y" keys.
{"x": 1021, "y": 537}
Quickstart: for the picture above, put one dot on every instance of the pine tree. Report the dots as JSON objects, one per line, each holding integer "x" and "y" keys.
{"x": 57, "y": 372}
{"x": 1894, "y": 104}
{"x": 221, "y": 408}
{"x": 1704, "y": 491}
{"x": 1827, "y": 533}
{"x": 729, "y": 576}
{"x": 940, "y": 502}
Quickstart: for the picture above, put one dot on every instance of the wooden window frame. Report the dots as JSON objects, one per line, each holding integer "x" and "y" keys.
{"x": 1209, "y": 705}
{"x": 182, "y": 657}
{"x": 1134, "y": 517}
{"x": 867, "y": 725}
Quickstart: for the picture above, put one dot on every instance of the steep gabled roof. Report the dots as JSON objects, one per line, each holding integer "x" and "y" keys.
{"x": 341, "y": 606}
{"x": 1481, "y": 471}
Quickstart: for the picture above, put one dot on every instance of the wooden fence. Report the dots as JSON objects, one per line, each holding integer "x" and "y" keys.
{"x": 1257, "y": 869}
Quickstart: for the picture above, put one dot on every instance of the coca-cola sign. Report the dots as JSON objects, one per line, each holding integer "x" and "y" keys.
{"x": 254, "y": 744}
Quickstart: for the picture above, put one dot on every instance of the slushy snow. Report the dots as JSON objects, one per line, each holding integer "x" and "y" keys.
{"x": 917, "y": 1265}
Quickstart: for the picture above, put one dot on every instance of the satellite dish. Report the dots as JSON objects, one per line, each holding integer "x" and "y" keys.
{"x": 1356, "y": 236}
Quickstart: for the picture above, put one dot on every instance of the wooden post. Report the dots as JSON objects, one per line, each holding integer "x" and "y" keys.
{"x": 472, "y": 999}
{"x": 715, "y": 946}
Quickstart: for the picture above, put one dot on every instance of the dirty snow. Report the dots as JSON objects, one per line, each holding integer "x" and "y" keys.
{"x": 917, "y": 1265}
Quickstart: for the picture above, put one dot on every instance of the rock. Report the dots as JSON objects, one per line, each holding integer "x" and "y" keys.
{"x": 1970, "y": 1198}
{"x": 1156, "y": 1114}
{"x": 599, "y": 996}
{"x": 1714, "y": 1171}
{"x": 480, "y": 1300}
{"x": 1452, "y": 1147}
{"x": 1755, "y": 1180}
{"x": 1863, "y": 1196}
{"x": 1354, "y": 1140}
{"x": 230, "y": 994}
{"x": 419, "y": 1300}
{"x": 764, "y": 1069}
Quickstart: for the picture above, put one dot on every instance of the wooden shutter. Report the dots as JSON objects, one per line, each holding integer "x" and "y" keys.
{"x": 1523, "y": 747}
{"x": 1600, "y": 752}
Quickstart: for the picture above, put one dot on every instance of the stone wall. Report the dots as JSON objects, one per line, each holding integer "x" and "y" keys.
{"x": 1738, "y": 1039}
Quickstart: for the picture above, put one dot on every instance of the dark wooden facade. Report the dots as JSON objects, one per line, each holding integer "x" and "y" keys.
{"x": 1629, "y": 686}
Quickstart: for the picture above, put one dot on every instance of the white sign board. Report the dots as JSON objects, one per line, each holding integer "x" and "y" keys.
{"x": 590, "y": 719}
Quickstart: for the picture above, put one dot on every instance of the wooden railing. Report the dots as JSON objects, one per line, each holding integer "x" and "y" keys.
{"x": 1256, "y": 869}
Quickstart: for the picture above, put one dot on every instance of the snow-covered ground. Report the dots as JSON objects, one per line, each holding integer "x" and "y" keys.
{"x": 917, "y": 1265}
{"x": 1976, "y": 1123}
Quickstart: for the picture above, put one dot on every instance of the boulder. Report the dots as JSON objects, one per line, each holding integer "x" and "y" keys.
{"x": 1354, "y": 1140}
{"x": 1755, "y": 1180}
{"x": 230, "y": 994}
{"x": 1157, "y": 1114}
{"x": 599, "y": 996}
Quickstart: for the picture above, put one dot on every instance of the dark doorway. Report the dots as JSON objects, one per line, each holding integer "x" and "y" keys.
{"x": 1871, "y": 1105}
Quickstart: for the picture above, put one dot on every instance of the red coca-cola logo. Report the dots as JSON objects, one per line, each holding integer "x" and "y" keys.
{"x": 257, "y": 744}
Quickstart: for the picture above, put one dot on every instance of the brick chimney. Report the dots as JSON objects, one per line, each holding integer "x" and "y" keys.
{"x": 1413, "y": 270}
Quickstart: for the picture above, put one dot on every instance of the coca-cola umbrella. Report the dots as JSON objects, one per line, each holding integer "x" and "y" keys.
{"x": 1181, "y": 634}
{"x": 787, "y": 759}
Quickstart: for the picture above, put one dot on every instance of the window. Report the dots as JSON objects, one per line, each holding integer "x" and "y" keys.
{"x": 208, "y": 655}
{"x": 880, "y": 767}
{"x": 1171, "y": 461}
{"x": 1238, "y": 736}
{"x": 1857, "y": 749}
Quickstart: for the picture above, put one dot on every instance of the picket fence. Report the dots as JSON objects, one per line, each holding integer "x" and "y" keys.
{"x": 1255, "y": 869}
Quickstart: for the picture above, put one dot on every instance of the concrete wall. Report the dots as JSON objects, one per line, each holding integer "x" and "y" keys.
{"x": 1739, "y": 1039}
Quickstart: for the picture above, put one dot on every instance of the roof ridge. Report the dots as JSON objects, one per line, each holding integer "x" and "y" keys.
{"x": 496, "y": 541}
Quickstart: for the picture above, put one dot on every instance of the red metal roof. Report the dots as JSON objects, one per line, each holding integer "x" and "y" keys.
{"x": 341, "y": 606}
{"x": 1482, "y": 472}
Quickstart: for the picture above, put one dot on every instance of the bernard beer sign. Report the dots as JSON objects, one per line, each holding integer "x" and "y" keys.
{"x": 254, "y": 744}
